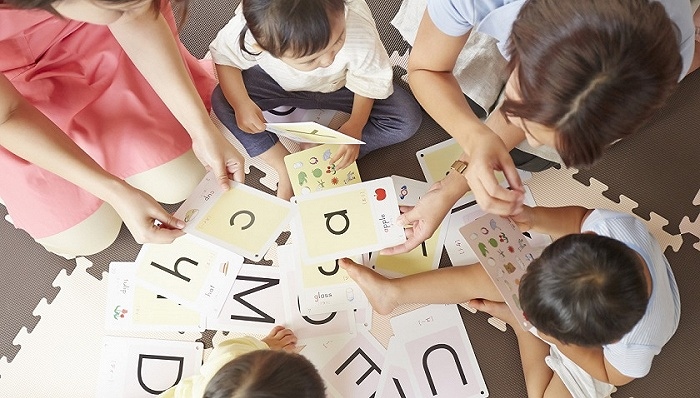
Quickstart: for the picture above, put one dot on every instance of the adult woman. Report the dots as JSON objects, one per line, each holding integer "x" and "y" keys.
{"x": 98, "y": 115}
{"x": 583, "y": 75}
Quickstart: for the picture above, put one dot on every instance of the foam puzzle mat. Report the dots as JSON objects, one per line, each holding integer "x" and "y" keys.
{"x": 52, "y": 318}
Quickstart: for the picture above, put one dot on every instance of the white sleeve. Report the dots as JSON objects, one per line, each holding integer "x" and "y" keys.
{"x": 226, "y": 50}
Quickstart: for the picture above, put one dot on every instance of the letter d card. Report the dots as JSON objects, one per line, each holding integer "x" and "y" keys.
{"x": 347, "y": 221}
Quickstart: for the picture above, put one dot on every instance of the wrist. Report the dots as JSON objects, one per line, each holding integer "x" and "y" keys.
{"x": 454, "y": 184}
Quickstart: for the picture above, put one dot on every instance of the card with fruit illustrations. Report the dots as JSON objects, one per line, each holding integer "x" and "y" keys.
{"x": 311, "y": 170}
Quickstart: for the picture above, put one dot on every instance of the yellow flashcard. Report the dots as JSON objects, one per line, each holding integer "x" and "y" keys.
{"x": 311, "y": 170}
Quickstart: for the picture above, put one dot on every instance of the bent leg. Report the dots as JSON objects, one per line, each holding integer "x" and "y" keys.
{"x": 171, "y": 182}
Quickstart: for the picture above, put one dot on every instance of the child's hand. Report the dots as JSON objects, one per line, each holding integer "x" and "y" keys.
{"x": 525, "y": 220}
{"x": 249, "y": 117}
{"x": 345, "y": 155}
{"x": 281, "y": 338}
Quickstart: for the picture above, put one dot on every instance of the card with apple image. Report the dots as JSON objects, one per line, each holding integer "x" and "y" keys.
{"x": 347, "y": 221}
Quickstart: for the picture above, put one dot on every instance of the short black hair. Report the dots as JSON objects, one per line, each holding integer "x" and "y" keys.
{"x": 585, "y": 289}
{"x": 267, "y": 374}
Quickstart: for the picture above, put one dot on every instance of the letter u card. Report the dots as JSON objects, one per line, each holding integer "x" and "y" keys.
{"x": 136, "y": 368}
{"x": 311, "y": 170}
{"x": 439, "y": 354}
{"x": 347, "y": 221}
{"x": 189, "y": 271}
{"x": 504, "y": 253}
{"x": 243, "y": 220}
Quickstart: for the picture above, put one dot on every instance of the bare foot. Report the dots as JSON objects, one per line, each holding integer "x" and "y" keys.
{"x": 380, "y": 291}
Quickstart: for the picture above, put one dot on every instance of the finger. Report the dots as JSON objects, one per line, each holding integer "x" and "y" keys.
{"x": 274, "y": 331}
{"x": 169, "y": 221}
{"x": 346, "y": 263}
{"x": 290, "y": 347}
{"x": 495, "y": 204}
{"x": 237, "y": 169}
{"x": 162, "y": 235}
{"x": 338, "y": 154}
{"x": 405, "y": 247}
{"x": 287, "y": 340}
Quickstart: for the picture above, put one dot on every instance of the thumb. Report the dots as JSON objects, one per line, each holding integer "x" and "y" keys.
{"x": 170, "y": 221}
{"x": 220, "y": 171}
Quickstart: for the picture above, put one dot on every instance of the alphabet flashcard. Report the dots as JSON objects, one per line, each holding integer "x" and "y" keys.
{"x": 347, "y": 221}
{"x": 322, "y": 288}
{"x": 355, "y": 369}
{"x": 505, "y": 253}
{"x": 435, "y": 160}
{"x": 310, "y": 132}
{"x": 440, "y": 355}
{"x": 396, "y": 380}
{"x": 408, "y": 190}
{"x": 243, "y": 219}
{"x": 189, "y": 271}
{"x": 311, "y": 170}
{"x": 136, "y": 368}
{"x": 254, "y": 303}
{"x": 133, "y": 307}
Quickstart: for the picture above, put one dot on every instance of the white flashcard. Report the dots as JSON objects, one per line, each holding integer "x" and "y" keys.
{"x": 347, "y": 221}
{"x": 408, "y": 190}
{"x": 289, "y": 114}
{"x": 243, "y": 219}
{"x": 363, "y": 318}
{"x": 190, "y": 271}
{"x": 311, "y": 328}
{"x": 310, "y": 132}
{"x": 253, "y": 304}
{"x": 132, "y": 307}
{"x": 439, "y": 352}
{"x": 135, "y": 368}
{"x": 322, "y": 288}
{"x": 396, "y": 380}
{"x": 355, "y": 369}
{"x": 320, "y": 351}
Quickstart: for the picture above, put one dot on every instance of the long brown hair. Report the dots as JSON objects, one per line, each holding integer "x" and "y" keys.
{"x": 593, "y": 71}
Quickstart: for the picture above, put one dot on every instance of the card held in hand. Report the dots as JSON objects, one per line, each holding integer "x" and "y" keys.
{"x": 311, "y": 170}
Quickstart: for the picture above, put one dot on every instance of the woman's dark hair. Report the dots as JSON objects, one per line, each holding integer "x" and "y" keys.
{"x": 295, "y": 28}
{"x": 593, "y": 71}
{"x": 585, "y": 289}
{"x": 267, "y": 374}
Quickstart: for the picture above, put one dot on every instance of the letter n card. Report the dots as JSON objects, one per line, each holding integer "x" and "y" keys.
{"x": 243, "y": 220}
{"x": 135, "y": 368}
{"x": 439, "y": 354}
{"x": 504, "y": 253}
{"x": 347, "y": 221}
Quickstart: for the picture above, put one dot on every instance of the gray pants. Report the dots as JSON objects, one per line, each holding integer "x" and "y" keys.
{"x": 392, "y": 120}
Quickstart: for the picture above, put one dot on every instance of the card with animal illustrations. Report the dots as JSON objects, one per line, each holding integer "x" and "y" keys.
{"x": 311, "y": 170}
{"x": 243, "y": 219}
{"x": 347, "y": 221}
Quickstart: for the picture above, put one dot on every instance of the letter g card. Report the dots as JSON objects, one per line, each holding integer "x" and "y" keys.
{"x": 347, "y": 221}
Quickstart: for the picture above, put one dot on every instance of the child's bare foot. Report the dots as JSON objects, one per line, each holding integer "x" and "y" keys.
{"x": 379, "y": 290}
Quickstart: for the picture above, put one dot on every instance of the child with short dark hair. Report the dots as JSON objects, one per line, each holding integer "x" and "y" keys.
{"x": 247, "y": 367}
{"x": 602, "y": 300}
{"x": 311, "y": 54}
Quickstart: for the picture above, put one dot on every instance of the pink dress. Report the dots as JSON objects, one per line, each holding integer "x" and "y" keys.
{"x": 80, "y": 78}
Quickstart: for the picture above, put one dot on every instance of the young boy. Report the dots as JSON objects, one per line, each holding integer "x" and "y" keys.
{"x": 602, "y": 300}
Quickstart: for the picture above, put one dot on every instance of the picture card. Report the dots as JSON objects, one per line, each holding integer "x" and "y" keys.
{"x": 310, "y": 132}
{"x": 135, "y": 368}
{"x": 313, "y": 328}
{"x": 440, "y": 355}
{"x": 504, "y": 253}
{"x": 355, "y": 369}
{"x": 347, "y": 221}
{"x": 408, "y": 190}
{"x": 311, "y": 170}
{"x": 190, "y": 271}
{"x": 133, "y": 307}
{"x": 253, "y": 304}
{"x": 322, "y": 288}
{"x": 396, "y": 380}
{"x": 243, "y": 219}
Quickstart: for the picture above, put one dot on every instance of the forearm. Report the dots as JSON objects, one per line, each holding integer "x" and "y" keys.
{"x": 361, "y": 108}
{"x": 558, "y": 221}
{"x": 232, "y": 85}
{"x": 149, "y": 43}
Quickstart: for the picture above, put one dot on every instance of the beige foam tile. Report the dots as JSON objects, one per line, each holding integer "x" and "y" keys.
{"x": 688, "y": 227}
{"x": 401, "y": 61}
{"x": 61, "y": 356}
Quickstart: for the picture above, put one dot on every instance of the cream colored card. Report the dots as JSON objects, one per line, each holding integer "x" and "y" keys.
{"x": 408, "y": 190}
{"x": 424, "y": 257}
{"x": 189, "y": 271}
{"x": 132, "y": 307}
{"x": 347, "y": 221}
{"x": 311, "y": 170}
{"x": 310, "y": 132}
{"x": 322, "y": 288}
{"x": 243, "y": 220}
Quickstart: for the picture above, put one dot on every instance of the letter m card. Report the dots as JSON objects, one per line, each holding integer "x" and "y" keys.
{"x": 347, "y": 221}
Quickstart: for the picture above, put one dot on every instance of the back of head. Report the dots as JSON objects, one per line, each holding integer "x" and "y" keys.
{"x": 594, "y": 71}
{"x": 295, "y": 28}
{"x": 585, "y": 289}
{"x": 267, "y": 374}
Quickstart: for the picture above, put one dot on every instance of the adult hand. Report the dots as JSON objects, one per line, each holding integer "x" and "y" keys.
{"x": 487, "y": 155}
{"x": 140, "y": 213}
{"x": 281, "y": 338}
{"x": 345, "y": 155}
{"x": 249, "y": 117}
{"x": 219, "y": 156}
{"x": 423, "y": 219}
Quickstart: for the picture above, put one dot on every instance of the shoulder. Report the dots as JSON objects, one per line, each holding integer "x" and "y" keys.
{"x": 457, "y": 17}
